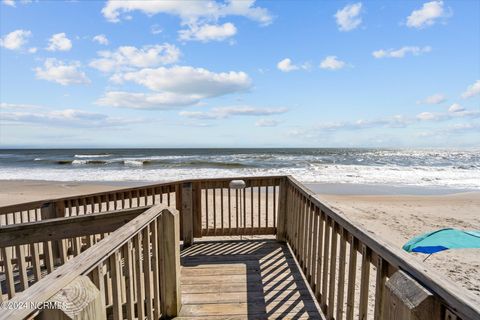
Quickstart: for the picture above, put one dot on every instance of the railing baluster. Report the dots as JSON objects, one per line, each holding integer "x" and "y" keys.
{"x": 266, "y": 206}
{"x": 8, "y": 269}
{"x": 252, "y": 214}
{"x": 222, "y": 210}
{"x": 259, "y": 204}
{"x": 139, "y": 275}
{"x": 308, "y": 262}
{"x": 229, "y": 212}
{"x": 236, "y": 211}
{"x": 382, "y": 269}
{"x": 155, "y": 268}
{"x": 147, "y": 267}
{"x": 333, "y": 269}
{"x": 320, "y": 275}
{"x": 313, "y": 267}
{"x": 341, "y": 274}
{"x": 303, "y": 232}
{"x": 275, "y": 204}
{"x": 22, "y": 266}
{"x": 364, "y": 283}
{"x": 214, "y": 212}
{"x": 326, "y": 251}
{"x": 244, "y": 212}
{"x": 206, "y": 210}
{"x": 352, "y": 273}
{"x": 116, "y": 285}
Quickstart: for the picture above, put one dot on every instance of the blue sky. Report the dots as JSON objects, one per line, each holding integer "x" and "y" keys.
{"x": 240, "y": 74}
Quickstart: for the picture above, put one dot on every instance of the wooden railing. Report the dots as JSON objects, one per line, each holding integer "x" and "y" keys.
{"x": 249, "y": 210}
{"x": 42, "y": 246}
{"x": 351, "y": 273}
{"x": 211, "y": 208}
{"x": 354, "y": 275}
{"x": 133, "y": 272}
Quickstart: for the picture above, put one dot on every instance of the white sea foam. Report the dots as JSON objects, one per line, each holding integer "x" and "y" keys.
{"x": 79, "y": 162}
{"x": 331, "y": 173}
{"x": 134, "y": 163}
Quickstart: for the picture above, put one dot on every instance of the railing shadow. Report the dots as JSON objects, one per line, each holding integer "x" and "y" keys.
{"x": 275, "y": 287}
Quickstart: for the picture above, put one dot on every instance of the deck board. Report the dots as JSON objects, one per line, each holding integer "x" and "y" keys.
{"x": 249, "y": 279}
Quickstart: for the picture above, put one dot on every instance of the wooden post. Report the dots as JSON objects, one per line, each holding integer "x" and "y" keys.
{"x": 178, "y": 205}
{"x": 197, "y": 209}
{"x": 282, "y": 211}
{"x": 80, "y": 300}
{"x": 404, "y": 298}
{"x": 50, "y": 211}
{"x": 187, "y": 213}
{"x": 170, "y": 264}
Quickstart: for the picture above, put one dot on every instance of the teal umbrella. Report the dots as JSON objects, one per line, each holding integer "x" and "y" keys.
{"x": 443, "y": 239}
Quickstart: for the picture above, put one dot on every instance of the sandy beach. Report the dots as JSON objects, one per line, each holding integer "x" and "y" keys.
{"x": 394, "y": 218}
{"x": 398, "y": 218}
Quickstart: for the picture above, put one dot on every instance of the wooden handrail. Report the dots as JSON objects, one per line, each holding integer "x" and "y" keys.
{"x": 84, "y": 263}
{"x": 68, "y": 227}
{"x": 463, "y": 302}
{"x": 39, "y": 203}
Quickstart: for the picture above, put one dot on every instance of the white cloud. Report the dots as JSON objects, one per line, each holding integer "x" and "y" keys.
{"x": 60, "y": 72}
{"x": 61, "y": 118}
{"x": 464, "y": 127}
{"x": 286, "y": 65}
{"x": 472, "y": 90}
{"x": 456, "y": 108}
{"x": 348, "y": 18}
{"x": 402, "y": 52}
{"x": 101, "y": 39}
{"x": 59, "y": 42}
{"x": 174, "y": 86}
{"x": 427, "y": 15}
{"x": 332, "y": 63}
{"x": 433, "y": 99}
{"x": 455, "y": 111}
{"x": 189, "y": 11}
{"x": 128, "y": 57}
{"x": 133, "y": 100}
{"x": 10, "y": 3}
{"x": 208, "y": 32}
{"x": 226, "y": 112}
{"x": 267, "y": 123}
{"x": 428, "y": 116}
{"x": 186, "y": 80}
{"x": 15, "y": 40}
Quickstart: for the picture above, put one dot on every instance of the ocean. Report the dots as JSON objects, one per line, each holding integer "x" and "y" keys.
{"x": 456, "y": 169}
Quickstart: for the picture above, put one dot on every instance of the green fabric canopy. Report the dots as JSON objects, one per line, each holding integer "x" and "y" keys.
{"x": 443, "y": 239}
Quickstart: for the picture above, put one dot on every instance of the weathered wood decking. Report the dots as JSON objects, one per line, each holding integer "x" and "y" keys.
{"x": 246, "y": 279}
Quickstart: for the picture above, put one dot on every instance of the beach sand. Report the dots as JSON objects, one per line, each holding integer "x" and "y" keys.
{"x": 394, "y": 218}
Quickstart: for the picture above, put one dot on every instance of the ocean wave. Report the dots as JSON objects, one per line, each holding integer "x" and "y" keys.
{"x": 394, "y": 175}
{"x": 135, "y": 163}
{"x": 92, "y": 155}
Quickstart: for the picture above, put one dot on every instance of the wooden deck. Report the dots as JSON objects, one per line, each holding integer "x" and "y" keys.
{"x": 123, "y": 247}
{"x": 248, "y": 279}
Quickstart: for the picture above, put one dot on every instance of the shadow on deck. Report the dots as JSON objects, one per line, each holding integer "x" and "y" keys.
{"x": 249, "y": 279}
